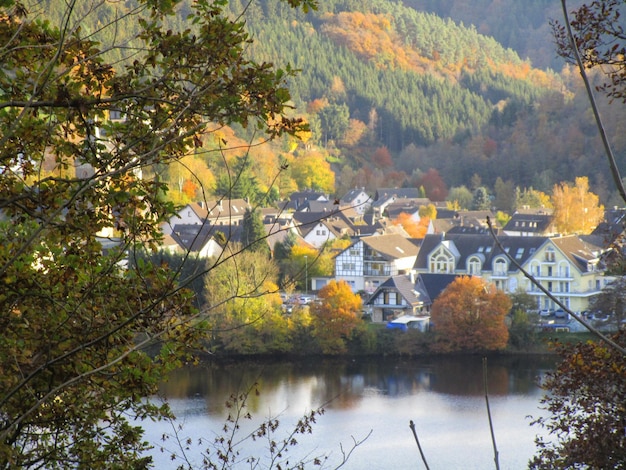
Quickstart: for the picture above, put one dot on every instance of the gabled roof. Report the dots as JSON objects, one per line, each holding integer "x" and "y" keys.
{"x": 222, "y": 208}
{"x": 466, "y": 245}
{"x": 413, "y": 294}
{"x": 434, "y": 284}
{"x": 351, "y": 195}
{"x": 391, "y": 246}
{"x": 318, "y": 206}
{"x": 579, "y": 252}
{"x": 193, "y": 237}
{"x": 307, "y": 221}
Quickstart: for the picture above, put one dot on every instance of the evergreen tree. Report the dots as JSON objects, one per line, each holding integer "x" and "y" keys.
{"x": 253, "y": 234}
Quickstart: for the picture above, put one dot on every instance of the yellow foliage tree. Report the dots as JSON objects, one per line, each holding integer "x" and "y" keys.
{"x": 576, "y": 209}
{"x": 312, "y": 171}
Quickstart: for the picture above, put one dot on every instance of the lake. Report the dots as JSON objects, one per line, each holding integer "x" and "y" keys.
{"x": 365, "y": 399}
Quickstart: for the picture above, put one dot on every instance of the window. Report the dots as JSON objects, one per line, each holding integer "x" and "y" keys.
{"x": 442, "y": 262}
{"x": 348, "y": 267}
{"x": 318, "y": 232}
{"x": 474, "y": 266}
{"x": 354, "y": 252}
{"x": 519, "y": 253}
{"x": 550, "y": 256}
{"x": 500, "y": 267}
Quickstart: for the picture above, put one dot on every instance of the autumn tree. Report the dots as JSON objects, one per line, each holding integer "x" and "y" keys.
{"x": 245, "y": 313}
{"x": 429, "y": 211}
{"x": 599, "y": 37}
{"x": 78, "y": 316}
{"x": 532, "y": 199}
{"x": 585, "y": 405}
{"x": 434, "y": 186}
{"x": 335, "y": 316}
{"x": 460, "y": 198}
{"x": 469, "y": 316}
{"x": 415, "y": 228}
{"x": 576, "y": 209}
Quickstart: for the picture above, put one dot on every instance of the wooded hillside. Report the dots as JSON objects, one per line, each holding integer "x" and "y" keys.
{"x": 394, "y": 89}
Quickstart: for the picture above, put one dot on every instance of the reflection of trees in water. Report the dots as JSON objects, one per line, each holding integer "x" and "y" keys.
{"x": 343, "y": 383}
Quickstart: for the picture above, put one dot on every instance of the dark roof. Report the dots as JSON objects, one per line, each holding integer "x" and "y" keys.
{"x": 413, "y": 294}
{"x": 192, "y": 237}
{"x": 434, "y": 284}
{"x": 533, "y": 223}
{"x": 385, "y": 193}
{"x": 521, "y": 248}
{"x": 353, "y": 194}
{"x": 318, "y": 206}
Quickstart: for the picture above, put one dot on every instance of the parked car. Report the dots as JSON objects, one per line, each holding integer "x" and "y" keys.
{"x": 546, "y": 312}
{"x": 560, "y": 313}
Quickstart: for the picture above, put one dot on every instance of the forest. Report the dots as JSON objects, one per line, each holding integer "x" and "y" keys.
{"x": 393, "y": 90}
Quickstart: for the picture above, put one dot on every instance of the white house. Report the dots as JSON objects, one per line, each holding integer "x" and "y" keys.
{"x": 358, "y": 199}
{"x": 367, "y": 263}
{"x": 220, "y": 212}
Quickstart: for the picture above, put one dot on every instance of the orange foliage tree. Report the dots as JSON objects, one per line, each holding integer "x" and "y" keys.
{"x": 469, "y": 316}
{"x": 576, "y": 209}
{"x": 335, "y": 316}
{"x": 416, "y": 229}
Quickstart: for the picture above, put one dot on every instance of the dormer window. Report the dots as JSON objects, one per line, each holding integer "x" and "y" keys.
{"x": 474, "y": 266}
{"x": 500, "y": 267}
{"x": 442, "y": 261}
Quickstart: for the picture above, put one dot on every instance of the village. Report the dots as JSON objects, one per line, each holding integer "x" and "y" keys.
{"x": 399, "y": 276}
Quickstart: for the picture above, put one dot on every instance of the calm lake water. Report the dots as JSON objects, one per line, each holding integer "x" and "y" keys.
{"x": 443, "y": 396}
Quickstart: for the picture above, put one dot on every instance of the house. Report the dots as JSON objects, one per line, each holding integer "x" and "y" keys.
{"x": 317, "y": 228}
{"x": 530, "y": 225}
{"x": 398, "y": 296}
{"x": 368, "y": 262}
{"x": 220, "y": 212}
{"x": 407, "y": 206}
{"x": 358, "y": 199}
{"x": 199, "y": 240}
{"x": 298, "y": 198}
{"x": 568, "y": 266}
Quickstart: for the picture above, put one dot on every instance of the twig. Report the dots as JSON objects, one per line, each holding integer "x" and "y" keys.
{"x": 605, "y": 141}
{"x": 493, "y": 436}
{"x": 412, "y": 426}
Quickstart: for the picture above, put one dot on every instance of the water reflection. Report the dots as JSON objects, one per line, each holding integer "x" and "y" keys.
{"x": 343, "y": 383}
{"x": 444, "y": 396}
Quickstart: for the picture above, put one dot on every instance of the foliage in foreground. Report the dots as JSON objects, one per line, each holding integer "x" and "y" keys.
{"x": 78, "y": 193}
{"x": 586, "y": 402}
